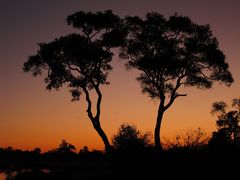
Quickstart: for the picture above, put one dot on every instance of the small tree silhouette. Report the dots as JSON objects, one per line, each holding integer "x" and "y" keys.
{"x": 80, "y": 61}
{"x": 65, "y": 147}
{"x": 227, "y": 122}
{"x": 84, "y": 150}
{"x": 128, "y": 138}
{"x": 172, "y": 53}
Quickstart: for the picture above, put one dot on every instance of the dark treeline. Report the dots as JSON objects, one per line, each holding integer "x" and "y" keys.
{"x": 194, "y": 156}
{"x": 55, "y": 163}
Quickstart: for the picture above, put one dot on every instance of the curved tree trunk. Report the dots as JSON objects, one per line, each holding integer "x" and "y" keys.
{"x": 157, "y": 139}
{"x": 98, "y": 128}
{"x": 96, "y": 119}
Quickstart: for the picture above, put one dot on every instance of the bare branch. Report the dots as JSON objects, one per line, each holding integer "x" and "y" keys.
{"x": 89, "y": 108}
{"x": 174, "y": 94}
{"x": 99, "y": 100}
{"x": 178, "y": 95}
{"x": 74, "y": 69}
{"x": 94, "y": 34}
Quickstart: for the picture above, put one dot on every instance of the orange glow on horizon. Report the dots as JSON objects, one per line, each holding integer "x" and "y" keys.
{"x": 54, "y": 117}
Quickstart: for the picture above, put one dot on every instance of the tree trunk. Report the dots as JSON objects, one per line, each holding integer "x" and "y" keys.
{"x": 98, "y": 128}
{"x": 95, "y": 120}
{"x": 157, "y": 138}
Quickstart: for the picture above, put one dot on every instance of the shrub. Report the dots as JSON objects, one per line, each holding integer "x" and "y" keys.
{"x": 191, "y": 139}
{"x": 128, "y": 138}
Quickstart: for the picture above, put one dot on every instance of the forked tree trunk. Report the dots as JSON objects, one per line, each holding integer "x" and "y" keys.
{"x": 96, "y": 119}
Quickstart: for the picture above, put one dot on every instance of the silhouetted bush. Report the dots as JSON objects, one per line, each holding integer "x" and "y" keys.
{"x": 192, "y": 139}
{"x": 128, "y": 138}
{"x": 86, "y": 155}
{"x": 84, "y": 150}
{"x": 228, "y": 129}
{"x": 220, "y": 139}
{"x": 65, "y": 152}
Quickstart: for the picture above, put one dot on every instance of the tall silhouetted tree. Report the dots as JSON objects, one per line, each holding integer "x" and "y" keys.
{"x": 80, "y": 61}
{"x": 171, "y": 53}
{"x": 227, "y": 122}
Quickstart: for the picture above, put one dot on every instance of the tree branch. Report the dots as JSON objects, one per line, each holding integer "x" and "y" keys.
{"x": 94, "y": 34}
{"x": 89, "y": 108}
{"x": 206, "y": 77}
{"x": 74, "y": 69}
{"x": 178, "y": 95}
{"x": 99, "y": 100}
{"x": 174, "y": 95}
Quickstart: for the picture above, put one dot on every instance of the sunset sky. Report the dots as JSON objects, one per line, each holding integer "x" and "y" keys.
{"x": 31, "y": 116}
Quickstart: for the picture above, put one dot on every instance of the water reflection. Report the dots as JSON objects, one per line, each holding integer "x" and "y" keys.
{"x": 10, "y": 174}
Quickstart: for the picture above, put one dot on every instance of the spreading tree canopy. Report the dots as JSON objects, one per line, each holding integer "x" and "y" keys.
{"x": 80, "y": 61}
{"x": 171, "y": 53}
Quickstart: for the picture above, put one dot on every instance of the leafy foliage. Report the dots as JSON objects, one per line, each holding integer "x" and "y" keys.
{"x": 65, "y": 147}
{"x": 128, "y": 138}
{"x": 173, "y": 52}
{"x": 80, "y": 61}
{"x": 227, "y": 122}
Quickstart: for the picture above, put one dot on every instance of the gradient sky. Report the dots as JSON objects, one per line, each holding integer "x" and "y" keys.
{"x": 32, "y": 117}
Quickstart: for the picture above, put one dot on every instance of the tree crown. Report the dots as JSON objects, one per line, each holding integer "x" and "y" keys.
{"x": 228, "y": 119}
{"x": 173, "y": 52}
{"x": 82, "y": 61}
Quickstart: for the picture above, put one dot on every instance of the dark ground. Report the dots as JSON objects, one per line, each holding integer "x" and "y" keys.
{"x": 148, "y": 164}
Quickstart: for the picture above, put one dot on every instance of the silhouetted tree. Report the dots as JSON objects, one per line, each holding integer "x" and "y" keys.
{"x": 80, "y": 61}
{"x": 84, "y": 150}
{"x": 65, "y": 147}
{"x": 171, "y": 53}
{"x": 128, "y": 138}
{"x": 37, "y": 151}
{"x": 227, "y": 122}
